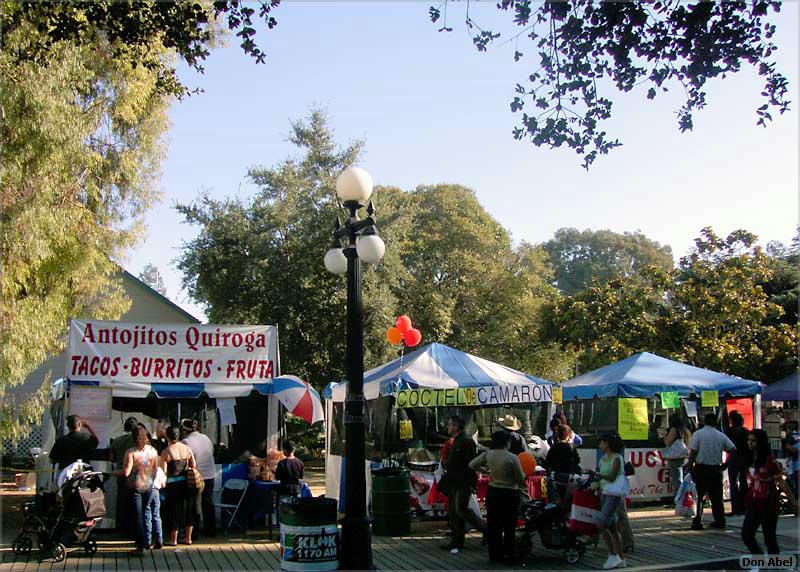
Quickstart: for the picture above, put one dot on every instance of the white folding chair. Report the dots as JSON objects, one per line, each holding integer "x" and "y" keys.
{"x": 230, "y": 499}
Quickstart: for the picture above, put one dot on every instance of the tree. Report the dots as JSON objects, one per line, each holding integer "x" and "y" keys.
{"x": 469, "y": 288}
{"x": 581, "y": 257}
{"x": 711, "y": 311}
{"x": 129, "y": 28}
{"x": 448, "y": 265}
{"x": 784, "y": 286}
{"x": 82, "y": 143}
{"x": 260, "y": 261}
{"x": 151, "y": 276}
{"x": 583, "y": 46}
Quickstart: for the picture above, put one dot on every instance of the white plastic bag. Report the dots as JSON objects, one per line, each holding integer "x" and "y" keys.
{"x": 685, "y": 498}
{"x": 619, "y": 487}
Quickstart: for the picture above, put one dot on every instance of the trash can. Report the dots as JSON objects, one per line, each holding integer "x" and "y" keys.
{"x": 391, "y": 514}
{"x": 309, "y": 534}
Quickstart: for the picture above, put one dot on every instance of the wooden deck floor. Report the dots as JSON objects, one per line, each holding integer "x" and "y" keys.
{"x": 662, "y": 542}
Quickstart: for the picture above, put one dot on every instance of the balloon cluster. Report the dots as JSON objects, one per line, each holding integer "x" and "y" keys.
{"x": 403, "y": 331}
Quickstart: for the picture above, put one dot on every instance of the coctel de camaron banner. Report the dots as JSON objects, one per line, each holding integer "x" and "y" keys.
{"x": 169, "y": 353}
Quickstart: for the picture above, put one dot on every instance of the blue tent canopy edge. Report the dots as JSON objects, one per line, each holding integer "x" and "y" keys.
{"x": 646, "y": 375}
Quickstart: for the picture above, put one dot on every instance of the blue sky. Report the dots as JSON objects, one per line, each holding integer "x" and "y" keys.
{"x": 432, "y": 109}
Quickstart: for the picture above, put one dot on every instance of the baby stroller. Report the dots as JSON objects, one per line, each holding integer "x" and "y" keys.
{"x": 65, "y": 519}
{"x": 549, "y": 520}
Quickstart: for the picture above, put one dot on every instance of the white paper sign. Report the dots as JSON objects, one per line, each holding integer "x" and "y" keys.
{"x": 171, "y": 353}
{"x": 227, "y": 411}
{"x": 691, "y": 409}
{"x": 90, "y": 402}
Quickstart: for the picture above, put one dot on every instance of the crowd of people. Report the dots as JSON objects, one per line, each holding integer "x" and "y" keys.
{"x": 755, "y": 477}
{"x": 165, "y": 482}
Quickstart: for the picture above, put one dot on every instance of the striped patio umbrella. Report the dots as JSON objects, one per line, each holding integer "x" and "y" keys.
{"x": 298, "y": 397}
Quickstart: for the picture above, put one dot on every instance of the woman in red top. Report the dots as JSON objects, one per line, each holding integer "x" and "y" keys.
{"x": 761, "y": 500}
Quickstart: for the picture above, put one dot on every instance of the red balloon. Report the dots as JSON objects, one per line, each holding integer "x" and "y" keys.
{"x": 413, "y": 337}
{"x": 403, "y": 324}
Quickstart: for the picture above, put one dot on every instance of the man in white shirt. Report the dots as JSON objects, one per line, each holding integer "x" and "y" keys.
{"x": 203, "y": 451}
{"x": 705, "y": 463}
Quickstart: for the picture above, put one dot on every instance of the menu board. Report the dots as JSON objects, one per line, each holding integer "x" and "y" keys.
{"x": 90, "y": 402}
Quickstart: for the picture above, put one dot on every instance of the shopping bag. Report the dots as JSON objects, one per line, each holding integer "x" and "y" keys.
{"x": 685, "y": 498}
{"x": 585, "y": 515}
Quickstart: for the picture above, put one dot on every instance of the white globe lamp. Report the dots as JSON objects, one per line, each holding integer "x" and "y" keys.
{"x": 370, "y": 248}
{"x": 336, "y": 261}
{"x": 354, "y": 184}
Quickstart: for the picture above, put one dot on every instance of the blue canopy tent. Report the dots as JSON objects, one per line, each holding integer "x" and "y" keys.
{"x": 592, "y": 406}
{"x": 646, "y": 374}
{"x": 436, "y": 366}
{"x": 786, "y": 389}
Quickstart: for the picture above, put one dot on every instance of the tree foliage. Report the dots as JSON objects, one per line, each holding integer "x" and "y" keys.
{"x": 581, "y": 257}
{"x": 584, "y": 47}
{"x": 711, "y": 311}
{"x": 151, "y": 276}
{"x": 82, "y": 143}
{"x": 132, "y": 28}
{"x": 448, "y": 265}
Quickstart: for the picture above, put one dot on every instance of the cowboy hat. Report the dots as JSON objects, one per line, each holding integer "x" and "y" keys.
{"x": 509, "y": 422}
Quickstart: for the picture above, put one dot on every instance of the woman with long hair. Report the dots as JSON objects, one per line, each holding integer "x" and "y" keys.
{"x": 674, "y": 454}
{"x": 139, "y": 469}
{"x": 611, "y": 471}
{"x": 761, "y": 500}
{"x": 179, "y": 500}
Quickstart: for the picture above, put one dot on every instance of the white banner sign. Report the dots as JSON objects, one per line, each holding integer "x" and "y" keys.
{"x": 171, "y": 353}
{"x": 651, "y": 480}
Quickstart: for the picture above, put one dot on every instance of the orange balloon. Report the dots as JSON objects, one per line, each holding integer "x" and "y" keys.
{"x": 528, "y": 462}
{"x": 394, "y": 336}
{"x": 403, "y": 324}
{"x": 413, "y": 337}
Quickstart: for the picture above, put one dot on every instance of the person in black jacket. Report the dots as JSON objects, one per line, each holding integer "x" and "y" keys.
{"x": 738, "y": 463}
{"x": 74, "y": 445}
{"x": 562, "y": 457}
{"x": 461, "y": 482}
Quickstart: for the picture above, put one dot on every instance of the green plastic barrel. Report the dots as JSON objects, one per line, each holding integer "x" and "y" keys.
{"x": 391, "y": 515}
{"x": 309, "y": 534}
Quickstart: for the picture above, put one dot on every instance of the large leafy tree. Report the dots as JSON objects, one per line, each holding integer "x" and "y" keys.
{"x": 581, "y": 257}
{"x": 260, "y": 261}
{"x": 151, "y": 276}
{"x": 587, "y": 48}
{"x": 448, "y": 265}
{"x": 84, "y": 91}
{"x": 784, "y": 286}
{"x": 711, "y": 311}
{"x": 131, "y": 27}
{"x": 584, "y": 50}
{"x": 82, "y": 143}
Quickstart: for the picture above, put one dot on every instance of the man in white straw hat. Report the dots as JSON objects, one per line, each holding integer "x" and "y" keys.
{"x": 511, "y": 424}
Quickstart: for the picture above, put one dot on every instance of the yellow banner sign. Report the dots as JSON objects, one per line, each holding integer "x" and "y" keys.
{"x": 558, "y": 394}
{"x": 632, "y": 418}
{"x": 710, "y": 398}
{"x": 474, "y": 396}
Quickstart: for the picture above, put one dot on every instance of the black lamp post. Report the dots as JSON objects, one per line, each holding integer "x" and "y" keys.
{"x": 354, "y": 187}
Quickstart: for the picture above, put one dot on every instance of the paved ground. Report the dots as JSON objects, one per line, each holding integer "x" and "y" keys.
{"x": 663, "y": 541}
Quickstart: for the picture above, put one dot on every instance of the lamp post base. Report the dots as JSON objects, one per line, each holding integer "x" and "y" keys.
{"x": 356, "y": 547}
